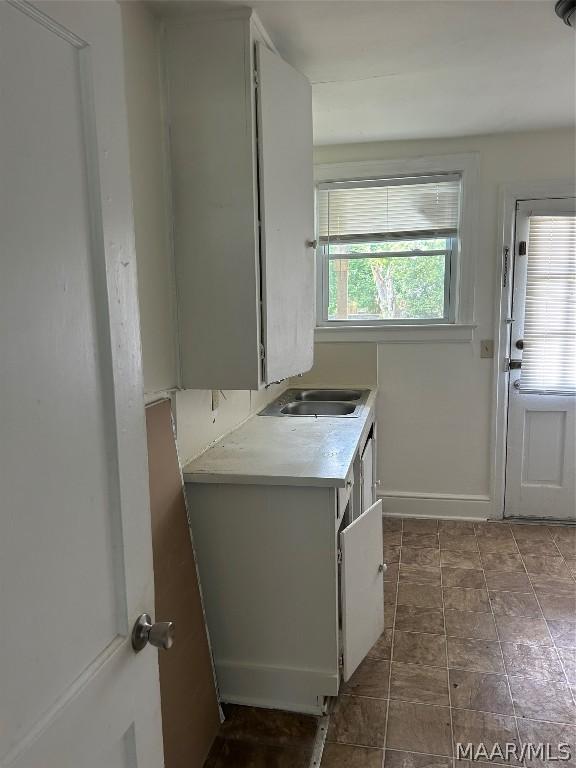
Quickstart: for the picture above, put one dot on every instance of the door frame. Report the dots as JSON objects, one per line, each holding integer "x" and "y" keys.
{"x": 509, "y": 195}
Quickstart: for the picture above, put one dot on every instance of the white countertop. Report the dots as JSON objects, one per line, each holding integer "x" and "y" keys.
{"x": 275, "y": 450}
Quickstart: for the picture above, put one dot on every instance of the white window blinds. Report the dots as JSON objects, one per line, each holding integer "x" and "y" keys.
{"x": 391, "y": 208}
{"x": 549, "y": 356}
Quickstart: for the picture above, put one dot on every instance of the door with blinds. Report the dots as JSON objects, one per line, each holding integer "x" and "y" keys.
{"x": 541, "y": 456}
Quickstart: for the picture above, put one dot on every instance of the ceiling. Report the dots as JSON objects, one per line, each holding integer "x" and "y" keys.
{"x": 406, "y": 69}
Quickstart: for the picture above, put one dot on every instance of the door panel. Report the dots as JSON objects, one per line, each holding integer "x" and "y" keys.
{"x": 545, "y": 443}
{"x": 541, "y": 457}
{"x": 541, "y": 442}
{"x": 75, "y": 555}
{"x": 362, "y": 586}
{"x": 287, "y": 216}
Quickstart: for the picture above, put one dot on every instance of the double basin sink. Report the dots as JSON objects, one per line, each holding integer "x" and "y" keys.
{"x": 318, "y": 402}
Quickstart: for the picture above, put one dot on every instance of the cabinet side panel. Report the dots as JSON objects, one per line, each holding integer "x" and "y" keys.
{"x": 209, "y": 81}
{"x": 267, "y": 564}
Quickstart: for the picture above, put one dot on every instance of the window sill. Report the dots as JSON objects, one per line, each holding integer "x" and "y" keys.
{"x": 399, "y": 334}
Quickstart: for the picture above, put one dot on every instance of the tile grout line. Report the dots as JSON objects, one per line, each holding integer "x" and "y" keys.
{"x": 397, "y": 586}
{"x": 561, "y": 661}
{"x": 456, "y": 709}
{"x": 561, "y": 555}
{"x": 452, "y": 736}
{"x": 461, "y": 709}
{"x": 500, "y": 646}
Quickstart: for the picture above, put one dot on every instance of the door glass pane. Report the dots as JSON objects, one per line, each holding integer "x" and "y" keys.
{"x": 549, "y": 356}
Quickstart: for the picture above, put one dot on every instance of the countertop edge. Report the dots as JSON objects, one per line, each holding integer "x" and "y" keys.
{"x": 208, "y": 478}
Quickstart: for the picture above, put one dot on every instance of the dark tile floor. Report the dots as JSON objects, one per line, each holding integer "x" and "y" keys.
{"x": 263, "y": 738}
{"x": 479, "y": 646}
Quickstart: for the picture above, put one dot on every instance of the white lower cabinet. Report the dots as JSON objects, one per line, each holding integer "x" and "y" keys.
{"x": 293, "y": 588}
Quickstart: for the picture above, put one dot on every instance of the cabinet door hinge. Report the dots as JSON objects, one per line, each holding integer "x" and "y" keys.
{"x": 256, "y": 79}
{"x": 341, "y": 660}
{"x": 506, "y": 266}
{"x": 339, "y": 557}
{"x": 262, "y": 352}
{"x": 522, "y": 248}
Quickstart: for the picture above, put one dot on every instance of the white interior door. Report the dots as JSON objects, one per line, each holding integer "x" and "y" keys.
{"x": 541, "y": 456}
{"x": 362, "y": 586}
{"x": 284, "y": 99}
{"x": 75, "y": 540}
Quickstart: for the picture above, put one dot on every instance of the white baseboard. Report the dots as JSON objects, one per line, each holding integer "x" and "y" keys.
{"x": 291, "y": 689}
{"x": 440, "y": 505}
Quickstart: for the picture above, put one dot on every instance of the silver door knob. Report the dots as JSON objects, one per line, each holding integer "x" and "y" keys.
{"x": 382, "y": 568}
{"x": 312, "y": 244}
{"x": 160, "y": 634}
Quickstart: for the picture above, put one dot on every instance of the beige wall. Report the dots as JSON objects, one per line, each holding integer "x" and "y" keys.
{"x": 435, "y": 404}
{"x": 198, "y": 426}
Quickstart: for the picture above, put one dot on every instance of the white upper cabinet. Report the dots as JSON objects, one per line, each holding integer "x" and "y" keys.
{"x": 242, "y": 187}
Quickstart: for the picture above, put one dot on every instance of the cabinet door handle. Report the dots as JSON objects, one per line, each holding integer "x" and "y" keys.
{"x": 312, "y": 244}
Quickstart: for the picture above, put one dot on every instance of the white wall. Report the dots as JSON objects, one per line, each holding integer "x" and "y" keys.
{"x": 198, "y": 426}
{"x": 435, "y": 403}
{"x": 149, "y": 189}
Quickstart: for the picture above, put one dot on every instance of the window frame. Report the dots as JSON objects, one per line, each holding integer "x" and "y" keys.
{"x": 459, "y": 284}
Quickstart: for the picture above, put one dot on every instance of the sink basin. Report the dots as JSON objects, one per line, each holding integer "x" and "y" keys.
{"x": 343, "y": 403}
{"x": 321, "y": 395}
{"x": 318, "y": 409}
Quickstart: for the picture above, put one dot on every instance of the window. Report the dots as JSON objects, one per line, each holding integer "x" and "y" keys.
{"x": 388, "y": 250}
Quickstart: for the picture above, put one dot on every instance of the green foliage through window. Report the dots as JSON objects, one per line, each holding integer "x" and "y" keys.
{"x": 383, "y": 287}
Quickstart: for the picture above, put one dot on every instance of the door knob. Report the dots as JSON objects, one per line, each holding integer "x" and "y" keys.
{"x": 312, "y": 244}
{"x": 160, "y": 634}
{"x": 382, "y": 568}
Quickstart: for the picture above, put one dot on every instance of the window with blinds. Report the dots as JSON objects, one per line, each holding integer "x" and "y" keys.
{"x": 549, "y": 354}
{"x": 388, "y": 249}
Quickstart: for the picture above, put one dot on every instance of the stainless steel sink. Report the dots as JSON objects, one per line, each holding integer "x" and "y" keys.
{"x": 340, "y": 403}
{"x": 321, "y": 395}
{"x": 318, "y": 409}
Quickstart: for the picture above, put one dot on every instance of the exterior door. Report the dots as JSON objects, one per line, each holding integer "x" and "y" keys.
{"x": 541, "y": 456}
{"x": 75, "y": 540}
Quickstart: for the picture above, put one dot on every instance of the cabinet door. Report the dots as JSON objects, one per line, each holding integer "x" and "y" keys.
{"x": 362, "y": 586}
{"x": 286, "y": 189}
{"x": 367, "y": 473}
